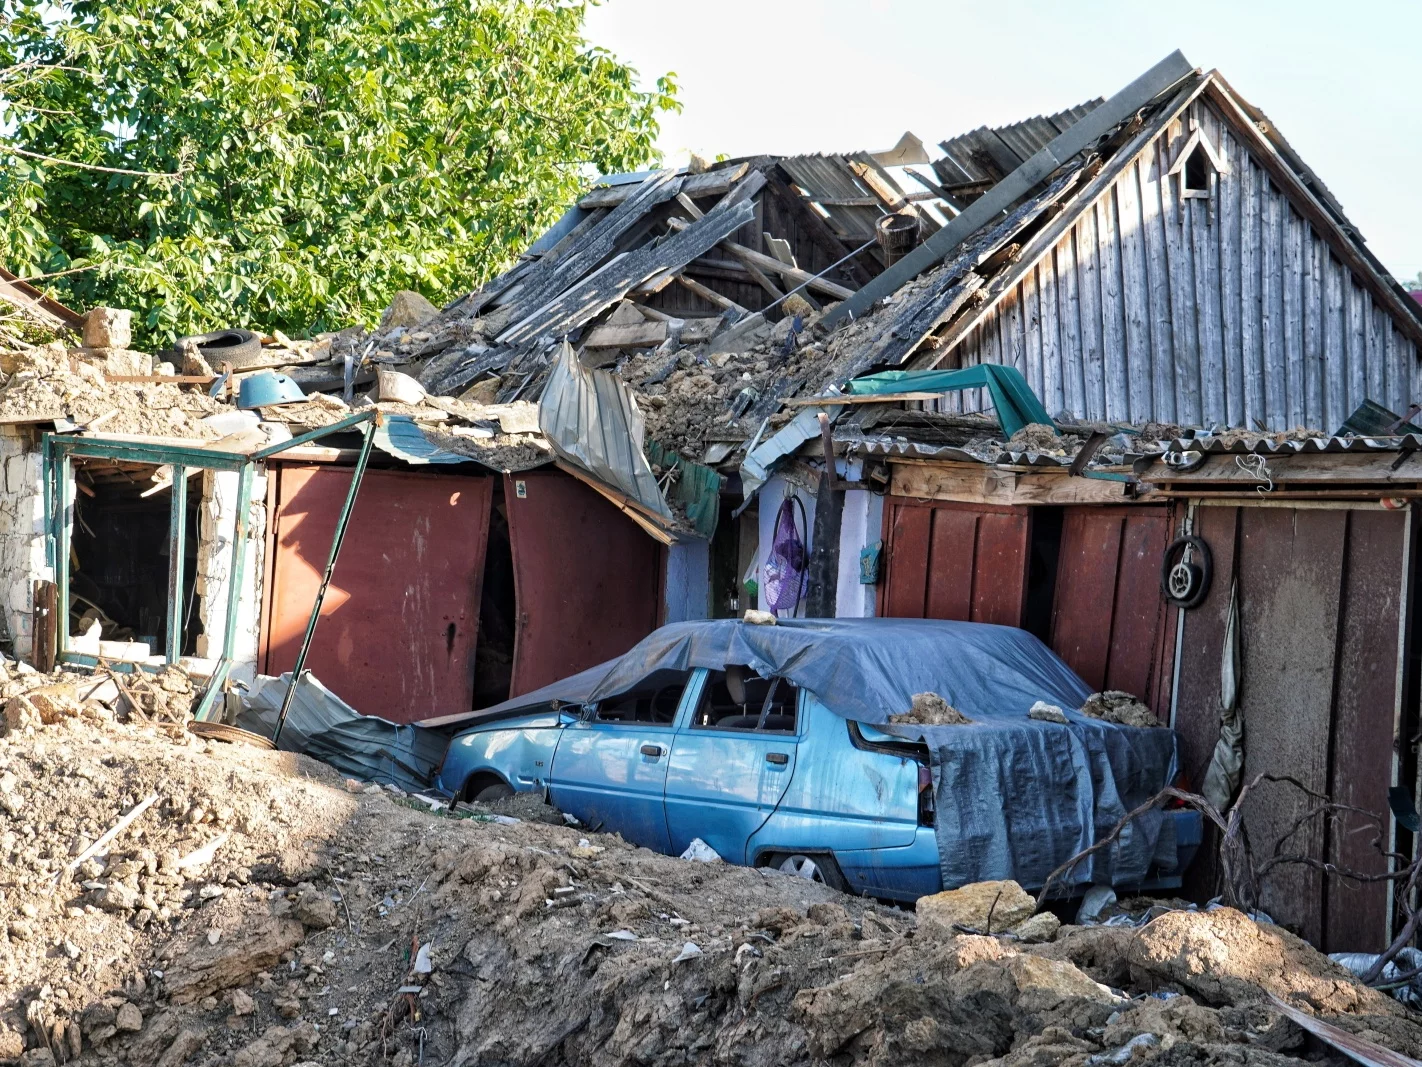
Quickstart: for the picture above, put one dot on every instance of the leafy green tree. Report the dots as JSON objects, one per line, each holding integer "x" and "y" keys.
{"x": 289, "y": 164}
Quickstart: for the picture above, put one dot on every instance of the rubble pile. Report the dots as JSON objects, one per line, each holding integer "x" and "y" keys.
{"x": 258, "y": 910}
{"x": 51, "y": 381}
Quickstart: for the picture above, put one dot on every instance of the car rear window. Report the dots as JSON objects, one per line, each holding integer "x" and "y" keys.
{"x": 739, "y": 699}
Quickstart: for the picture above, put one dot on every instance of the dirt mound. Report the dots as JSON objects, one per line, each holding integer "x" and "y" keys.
{"x": 261, "y": 910}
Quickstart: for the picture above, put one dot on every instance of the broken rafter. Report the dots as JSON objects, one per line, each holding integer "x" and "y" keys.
{"x": 710, "y": 295}
{"x": 749, "y": 257}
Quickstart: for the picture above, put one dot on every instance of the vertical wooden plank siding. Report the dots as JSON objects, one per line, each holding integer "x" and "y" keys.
{"x": 1088, "y": 251}
{"x": 1158, "y": 284}
{"x": 1290, "y": 577}
{"x": 1115, "y": 367}
{"x": 1052, "y": 397}
{"x": 1231, "y": 310}
{"x": 1135, "y": 291}
{"x": 1320, "y": 609}
{"x": 1230, "y": 285}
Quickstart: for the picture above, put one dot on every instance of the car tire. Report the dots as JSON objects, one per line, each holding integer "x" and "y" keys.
{"x": 491, "y": 793}
{"x": 238, "y": 347}
{"x": 811, "y": 866}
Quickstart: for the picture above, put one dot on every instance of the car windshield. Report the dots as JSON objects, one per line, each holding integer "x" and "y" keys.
{"x": 739, "y": 699}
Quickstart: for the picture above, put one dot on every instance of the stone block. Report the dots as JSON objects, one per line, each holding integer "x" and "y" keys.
{"x": 972, "y": 907}
{"x": 108, "y": 328}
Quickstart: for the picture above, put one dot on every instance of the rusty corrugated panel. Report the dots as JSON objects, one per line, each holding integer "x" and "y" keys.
{"x": 400, "y": 622}
{"x": 587, "y": 579}
{"x": 965, "y": 562}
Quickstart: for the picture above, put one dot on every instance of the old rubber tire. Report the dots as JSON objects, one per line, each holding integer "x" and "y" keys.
{"x": 238, "y": 347}
{"x": 216, "y": 731}
{"x": 491, "y": 793}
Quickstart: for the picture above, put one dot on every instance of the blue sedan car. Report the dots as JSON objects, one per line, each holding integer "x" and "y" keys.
{"x": 741, "y": 757}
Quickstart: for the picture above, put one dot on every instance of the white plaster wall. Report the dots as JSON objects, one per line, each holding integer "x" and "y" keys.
{"x": 688, "y": 581}
{"x": 22, "y": 532}
{"x": 862, "y": 525}
{"x": 216, "y": 521}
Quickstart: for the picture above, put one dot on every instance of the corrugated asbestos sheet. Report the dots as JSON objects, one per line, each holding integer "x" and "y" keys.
{"x": 1229, "y": 310}
{"x": 828, "y": 178}
{"x": 1307, "y": 446}
{"x": 988, "y": 154}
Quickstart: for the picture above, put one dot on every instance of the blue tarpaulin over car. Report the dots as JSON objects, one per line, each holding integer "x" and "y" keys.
{"x": 1015, "y": 796}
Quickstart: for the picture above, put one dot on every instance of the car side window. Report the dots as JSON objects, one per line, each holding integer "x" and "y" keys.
{"x": 653, "y": 701}
{"x": 739, "y": 699}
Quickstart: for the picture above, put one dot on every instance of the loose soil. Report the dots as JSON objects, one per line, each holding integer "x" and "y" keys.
{"x": 262, "y": 910}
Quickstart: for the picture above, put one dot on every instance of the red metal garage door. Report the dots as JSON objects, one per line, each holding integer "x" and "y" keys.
{"x": 1109, "y": 619}
{"x": 955, "y": 561}
{"x": 588, "y": 580}
{"x": 400, "y": 621}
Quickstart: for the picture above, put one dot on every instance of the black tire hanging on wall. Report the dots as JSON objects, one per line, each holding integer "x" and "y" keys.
{"x": 1186, "y": 583}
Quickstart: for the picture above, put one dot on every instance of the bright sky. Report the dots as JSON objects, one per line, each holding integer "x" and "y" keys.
{"x": 785, "y": 76}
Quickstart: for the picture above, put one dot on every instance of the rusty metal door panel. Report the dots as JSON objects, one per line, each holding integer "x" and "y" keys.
{"x": 1363, "y": 725}
{"x": 1290, "y": 581}
{"x": 1108, "y": 614}
{"x": 1085, "y": 596}
{"x": 966, "y": 562}
{"x": 950, "y": 575}
{"x": 1000, "y": 567}
{"x": 1138, "y": 621}
{"x": 909, "y": 529}
{"x": 400, "y": 622}
{"x": 588, "y": 580}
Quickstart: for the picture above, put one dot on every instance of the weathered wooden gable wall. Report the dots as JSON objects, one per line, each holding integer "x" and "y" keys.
{"x": 1232, "y": 311}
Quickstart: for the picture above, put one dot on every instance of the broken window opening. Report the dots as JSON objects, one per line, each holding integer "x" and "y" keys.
{"x": 739, "y": 699}
{"x": 119, "y": 561}
{"x": 653, "y": 701}
{"x": 498, "y": 611}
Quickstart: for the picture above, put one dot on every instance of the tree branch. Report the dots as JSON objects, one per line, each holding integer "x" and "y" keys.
{"x": 89, "y": 166}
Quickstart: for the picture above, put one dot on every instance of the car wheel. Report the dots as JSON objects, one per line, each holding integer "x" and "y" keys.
{"x": 491, "y": 793}
{"x": 816, "y": 868}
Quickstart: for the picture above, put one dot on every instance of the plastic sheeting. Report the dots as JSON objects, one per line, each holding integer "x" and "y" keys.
{"x": 1015, "y": 797}
{"x": 324, "y": 727}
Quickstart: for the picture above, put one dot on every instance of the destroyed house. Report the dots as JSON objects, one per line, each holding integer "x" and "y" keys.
{"x": 674, "y": 406}
{"x": 1155, "y": 266}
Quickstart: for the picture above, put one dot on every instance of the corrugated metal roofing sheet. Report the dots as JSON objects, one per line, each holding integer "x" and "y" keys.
{"x": 828, "y": 177}
{"x": 1264, "y": 445}
{"x": 988, "y": 153}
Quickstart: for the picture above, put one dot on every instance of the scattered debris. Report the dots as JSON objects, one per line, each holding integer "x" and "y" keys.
{"x": 930, "y": 709}
{"x": 1044, "y": 712}
{"x": 1120, "y": 708}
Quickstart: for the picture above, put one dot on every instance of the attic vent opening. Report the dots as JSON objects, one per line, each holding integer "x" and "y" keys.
{"x": 1197, "y": 168}
{"x": 1197, "y": 172}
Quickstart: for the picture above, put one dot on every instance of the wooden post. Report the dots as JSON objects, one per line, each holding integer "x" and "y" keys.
{"x": 46, "y": 626}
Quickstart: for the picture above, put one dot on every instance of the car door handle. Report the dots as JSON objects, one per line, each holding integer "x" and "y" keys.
{"x": 654, "y": 751}
{"x": 780, "y": 759}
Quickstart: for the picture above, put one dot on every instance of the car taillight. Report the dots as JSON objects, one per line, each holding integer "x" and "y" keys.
{"x": 925, "y": 795}
{"x": 925, "y": 778}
